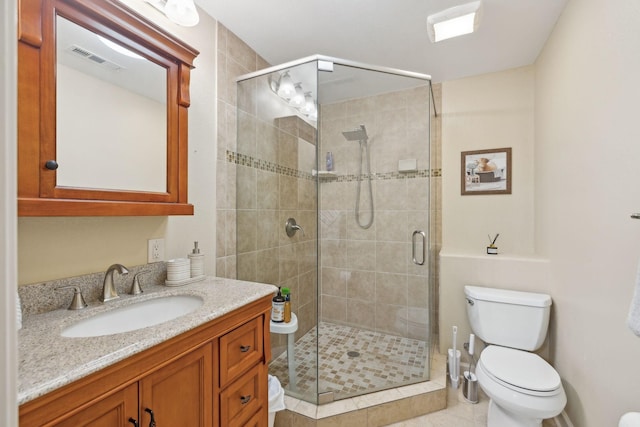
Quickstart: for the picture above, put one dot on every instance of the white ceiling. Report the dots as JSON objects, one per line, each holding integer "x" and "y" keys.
{"x": 390, "y": 33}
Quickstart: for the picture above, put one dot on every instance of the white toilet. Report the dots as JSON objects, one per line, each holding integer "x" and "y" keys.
{"x": 524, "y": 389}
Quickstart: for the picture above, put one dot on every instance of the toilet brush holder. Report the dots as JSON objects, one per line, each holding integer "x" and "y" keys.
{"x": 454, "y": 367}
{"x": 470, "y": 387}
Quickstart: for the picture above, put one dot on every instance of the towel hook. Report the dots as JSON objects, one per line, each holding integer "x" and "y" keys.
{"x": 635, "y": 215}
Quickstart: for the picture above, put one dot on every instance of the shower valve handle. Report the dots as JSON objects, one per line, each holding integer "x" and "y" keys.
{"x": 291, "y": 227}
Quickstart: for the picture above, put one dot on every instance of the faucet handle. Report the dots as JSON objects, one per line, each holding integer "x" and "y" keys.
{"x": 136, "y": 289}
{"x": 78, "y": 302}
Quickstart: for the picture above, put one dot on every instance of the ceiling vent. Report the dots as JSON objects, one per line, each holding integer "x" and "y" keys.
{"x": 96, "y": 59}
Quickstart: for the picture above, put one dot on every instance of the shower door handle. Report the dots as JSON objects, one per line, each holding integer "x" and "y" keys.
{"x": 424, "y": 246}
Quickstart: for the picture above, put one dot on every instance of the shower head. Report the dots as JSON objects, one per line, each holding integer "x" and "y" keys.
{"x": 356, "y": 134}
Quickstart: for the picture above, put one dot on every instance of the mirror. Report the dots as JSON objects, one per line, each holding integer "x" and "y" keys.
{"x": 111, "y": 121}
{"x": 103, "y": 97}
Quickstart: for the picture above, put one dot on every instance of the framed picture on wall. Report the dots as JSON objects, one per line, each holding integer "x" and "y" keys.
{"x": 486, "y": 171}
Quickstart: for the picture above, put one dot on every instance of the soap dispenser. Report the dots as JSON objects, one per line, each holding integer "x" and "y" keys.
{"x": 196, "y": 259}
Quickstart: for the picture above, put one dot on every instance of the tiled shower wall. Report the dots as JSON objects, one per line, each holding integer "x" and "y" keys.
{"x": 236, "y": 58}
{"x": 368, "y": 279}
{"x": 264, "y": 177}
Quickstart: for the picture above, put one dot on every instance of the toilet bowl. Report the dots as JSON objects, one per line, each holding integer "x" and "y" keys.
{"x": 630, "y": 419}
{"x": 523, "y": 388}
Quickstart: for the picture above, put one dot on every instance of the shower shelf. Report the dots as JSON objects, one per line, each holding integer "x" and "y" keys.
{"x": 324, "y": 174}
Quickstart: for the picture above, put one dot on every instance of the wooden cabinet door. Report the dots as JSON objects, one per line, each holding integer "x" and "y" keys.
{"x": 112, "y": 411}
{"x": 180, "y": 394}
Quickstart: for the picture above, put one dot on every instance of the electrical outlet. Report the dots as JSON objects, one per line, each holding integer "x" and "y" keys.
{"x": 155, "y": 250}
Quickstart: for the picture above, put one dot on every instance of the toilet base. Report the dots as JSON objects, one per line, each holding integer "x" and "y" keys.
{"x": 500, "y": 417}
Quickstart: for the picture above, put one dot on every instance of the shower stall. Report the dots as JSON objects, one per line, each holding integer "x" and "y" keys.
{"x": 339, "y": 151}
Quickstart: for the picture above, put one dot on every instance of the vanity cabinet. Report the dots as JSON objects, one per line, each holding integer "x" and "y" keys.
{"x": 212, "y": 376}
{"x": 108, "y": 412}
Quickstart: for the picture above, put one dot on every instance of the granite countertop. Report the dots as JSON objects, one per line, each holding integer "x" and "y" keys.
{"x": 49, "y": 361}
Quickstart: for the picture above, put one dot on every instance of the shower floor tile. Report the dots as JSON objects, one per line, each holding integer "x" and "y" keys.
{"x": 352, "y": 361}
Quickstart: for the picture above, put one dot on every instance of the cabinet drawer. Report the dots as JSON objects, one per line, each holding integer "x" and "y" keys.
{"x": 240, "y": 349}
{"x": 243, "y": 398}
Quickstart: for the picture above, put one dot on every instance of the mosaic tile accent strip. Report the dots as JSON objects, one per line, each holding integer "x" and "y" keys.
{"x": 264, "y": 165}
{"x": 382, "y": 361}
{"x": 250, "y": 161}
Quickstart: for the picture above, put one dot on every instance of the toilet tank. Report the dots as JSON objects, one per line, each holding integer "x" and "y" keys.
{"x": 508, "y": 318}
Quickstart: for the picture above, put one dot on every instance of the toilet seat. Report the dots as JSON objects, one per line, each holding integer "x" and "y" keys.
{"x": 520, "y": 371}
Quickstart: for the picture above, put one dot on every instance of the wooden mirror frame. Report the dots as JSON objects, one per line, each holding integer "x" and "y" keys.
{"x": 38, "y": 194}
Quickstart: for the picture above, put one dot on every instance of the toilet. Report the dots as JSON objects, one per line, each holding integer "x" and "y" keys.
{"x": 524, "y": 389}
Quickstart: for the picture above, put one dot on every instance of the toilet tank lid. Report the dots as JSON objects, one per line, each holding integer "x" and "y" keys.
{"x": 507, "y": 296}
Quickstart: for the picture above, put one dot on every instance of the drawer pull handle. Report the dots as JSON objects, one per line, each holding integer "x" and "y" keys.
{"x": 245, "y": 399}
{"x": 152, "y": 423}
{"x": 134, "y": 422}
{"x": 245, "y": 348}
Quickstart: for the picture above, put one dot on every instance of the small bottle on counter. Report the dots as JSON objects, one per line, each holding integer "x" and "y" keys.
{"x": 277, "y": 308}
{"x": 286, "y": 293}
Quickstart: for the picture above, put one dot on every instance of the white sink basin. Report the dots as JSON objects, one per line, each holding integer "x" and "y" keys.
{"x": 135, "y": 316}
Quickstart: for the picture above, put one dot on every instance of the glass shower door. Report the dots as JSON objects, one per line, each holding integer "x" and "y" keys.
{"x": 374, "y": 229}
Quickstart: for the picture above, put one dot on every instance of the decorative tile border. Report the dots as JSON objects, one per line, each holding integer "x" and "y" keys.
{"x": 264, "y": 165}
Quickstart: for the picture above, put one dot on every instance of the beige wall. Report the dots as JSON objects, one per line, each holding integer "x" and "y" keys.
{"x": 586, "y": 184}
{"x": 574, "y": 240}
{"x": 488, "y": 111}
{"x": 52, "y": 248}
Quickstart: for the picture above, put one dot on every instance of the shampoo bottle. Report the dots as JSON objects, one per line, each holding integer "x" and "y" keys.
{"x": 329, "y": 161}
{"x": 277, "y": 308}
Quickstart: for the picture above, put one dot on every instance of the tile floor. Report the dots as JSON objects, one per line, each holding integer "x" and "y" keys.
{"x": 459, "y": 413}
{"x": 352, "y": 361}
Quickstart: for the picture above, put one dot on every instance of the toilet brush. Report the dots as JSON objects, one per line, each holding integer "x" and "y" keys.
{"x": 454, "y": 360}
{"x": 470, "y": 387}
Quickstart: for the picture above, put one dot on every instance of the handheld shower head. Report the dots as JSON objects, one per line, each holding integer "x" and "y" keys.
{"x": 356, "y": 134}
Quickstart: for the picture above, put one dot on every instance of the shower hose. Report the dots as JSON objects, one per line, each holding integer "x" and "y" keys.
{"x": 364, "y": 146}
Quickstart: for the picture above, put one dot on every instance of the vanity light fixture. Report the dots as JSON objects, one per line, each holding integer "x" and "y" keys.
{"x": 293, "y": 94}
{"x": 181, "y": 12}
{"x": 454, "y": 22}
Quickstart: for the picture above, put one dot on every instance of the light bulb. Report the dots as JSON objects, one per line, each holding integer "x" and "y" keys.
{"x": 286, "y": 89}
{"x": 297, "y": 100}
{"x": 309, "y": 106}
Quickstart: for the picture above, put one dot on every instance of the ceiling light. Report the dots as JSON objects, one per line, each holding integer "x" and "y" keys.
{"x": 118, "y": 48}
{"x": 454, "y": 22}
{"x": 181, "y": 12}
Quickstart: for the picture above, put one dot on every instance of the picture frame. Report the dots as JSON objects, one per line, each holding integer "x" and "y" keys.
{"x": 486, "y": 172}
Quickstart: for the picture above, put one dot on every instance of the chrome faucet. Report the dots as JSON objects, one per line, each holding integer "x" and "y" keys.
{"x": 108, "y": 288}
